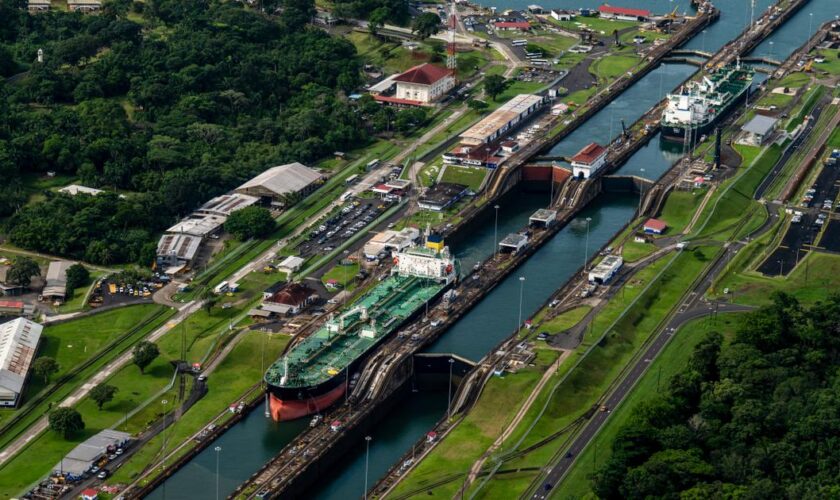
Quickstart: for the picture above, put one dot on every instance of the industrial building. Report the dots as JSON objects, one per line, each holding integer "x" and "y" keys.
{"x": 503, "y": 119}
{"x": 56, "y": 286}
{"x": 606, "y": 269}
{"x": 390, "y": 241}
{"x": 177, "y": 251}
{"x": 283, "y": 184}
{"x": 7, "y": 288}
{"x": 15, "y": 308}
{"x": 623, "y": 14}
{"x": 757, "y": 131}
{"x": 84, "y": 5}
{"x": 442, "y": 195}
{"x": 76, "y": 189}
{"x": 588, "y": 161}
{"x": 291, "y": 264}
{"x": 226, "y": 204}
{"x": 18, "y": 344}
{"x": 93, "y": 451}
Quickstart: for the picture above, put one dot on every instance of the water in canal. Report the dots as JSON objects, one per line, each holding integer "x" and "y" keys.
{"x": 248, "y": 445}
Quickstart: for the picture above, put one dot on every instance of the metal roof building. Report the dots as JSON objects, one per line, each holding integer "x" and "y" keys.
{"x": 283, "y": 180}
{"x": 18, "y": 343}
{"x": 177, "y": 249}
{"x": 496, "y": 123}
{"x": 226, "y": 204}
{"x": 606, "y": 269}
{"x": 758, "y": 129}
{"x": 83, "y": 456}
{"x": 56, "y": 286}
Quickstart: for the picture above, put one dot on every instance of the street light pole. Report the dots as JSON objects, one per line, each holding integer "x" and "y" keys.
{"x": 496, "y": 232}
{"x": 521, "y": 290}
{"x": 449, "y": 394}
{"x": 367, "y": 462}
{"x": 163, "y": 443}
{"x": 218, "y": 449}
{"x": 586, "y": 248}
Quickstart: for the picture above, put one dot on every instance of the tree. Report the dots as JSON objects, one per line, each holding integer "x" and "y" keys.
{"x": 250, "y": 222}
{"x": 495, "y": 85}
{"x": 144, "y": 353}
{"x": 103, "y": 393}
{"x": 477, "y": 105}
{"x": 377, "y": 19}
{"x": 66, "y": 421}
{"x": 426, "y": 25}
{"x": 22, "y": 270}
{"x": 44, "y": 367}
{"x": 77, "y": 276}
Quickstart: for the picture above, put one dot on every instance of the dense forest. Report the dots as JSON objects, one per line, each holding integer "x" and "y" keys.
{"x": 168, "y": 101}
{"x": 757, "y": 418}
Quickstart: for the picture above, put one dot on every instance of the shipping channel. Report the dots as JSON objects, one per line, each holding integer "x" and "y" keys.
{"x": 255, "y": 440}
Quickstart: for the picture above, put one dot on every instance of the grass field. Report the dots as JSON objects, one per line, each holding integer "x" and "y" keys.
{"x": 563, "y": 322}
{"x": 832, "y": 61}
{"x": 239, "y": 371}
{"x": 468, "y": 176}
{"x": 610, "y": 67}
{"x": 669, "y": 362}
{"x": 484, "y": 423}
{"x": 603, "y": 26}
{"x": 344, "y": 275}
{"x": 77, "y": 301}
{"x": 679, "y": 208}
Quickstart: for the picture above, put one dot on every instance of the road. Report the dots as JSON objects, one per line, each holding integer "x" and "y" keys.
{"x": 111, "y": 368}
{"x": 693, "y": 307}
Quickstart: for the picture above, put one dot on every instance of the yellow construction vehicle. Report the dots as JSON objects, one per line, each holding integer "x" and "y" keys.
{"x": 808, "y": 66}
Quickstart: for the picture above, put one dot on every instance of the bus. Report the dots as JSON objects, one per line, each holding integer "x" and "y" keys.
{"x": 352, "y": 179}
{"x": 373, "y": 164}
{"x": 346, "y": 196}
{"x": 221, "y": 288}
{"x": 519, "y": 43}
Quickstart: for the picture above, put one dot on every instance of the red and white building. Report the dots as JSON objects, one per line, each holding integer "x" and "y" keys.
{"x": 589, "y": 160}
{"x": 420, "y": 86}
{"x": 654, "y": 226}
{"x": 623, "y": 14}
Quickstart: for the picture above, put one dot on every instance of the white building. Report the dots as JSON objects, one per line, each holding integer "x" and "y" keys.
{"x": 588, "y": 161}
{"x": 18, "y": 344}
{"x": 562, "y": 15}
{"x": 424, "y": 84}
{"x": 392, "y": 241}
{"x": 606, "y": 269}
{"x": 758, "y": 130}
{"x": 56, "y": 286}
{"x": 281, "y": 183}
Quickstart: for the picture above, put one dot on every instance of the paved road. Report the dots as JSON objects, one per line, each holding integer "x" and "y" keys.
{"x": 692, "y": 307}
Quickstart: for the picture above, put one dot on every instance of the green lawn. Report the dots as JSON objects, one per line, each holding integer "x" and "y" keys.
{"x": 345, "y": 275}
{"x": 77, "y": 301}
{"x": 669, "y": 362}
{"x": 482, "y": 425}
{"x": 611, "y": 67}
{"x": 832, "y": 61}
{"x": 605, "y": 26}
{"x": 468, "y": 176}
{"x": 239, "y": 371}
{"x": 515, "y": 88}
{"x": 632, "y": 250}
{"x": 566, "y": 320}
{"x": 679, "y": 208}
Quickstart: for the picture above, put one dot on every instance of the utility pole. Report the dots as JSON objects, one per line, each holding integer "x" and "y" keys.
{"x": 521, "y": 292}
{"x": 449, "y": 394}
{"x": 218, "y": 449}
{"x": 496, "y": 233}
{"x": 367, "y": 462}
{"x": 586, "y": 248}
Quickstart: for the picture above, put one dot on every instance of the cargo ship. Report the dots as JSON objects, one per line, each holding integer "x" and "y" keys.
{"x": 699, "y": 104}
{"x": 315, "y": 373}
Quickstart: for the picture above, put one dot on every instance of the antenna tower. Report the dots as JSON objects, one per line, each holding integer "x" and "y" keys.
{"x": 451, "y": 62}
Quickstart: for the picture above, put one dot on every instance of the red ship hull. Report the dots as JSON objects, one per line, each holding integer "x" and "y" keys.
{"x": 286, "y": 409}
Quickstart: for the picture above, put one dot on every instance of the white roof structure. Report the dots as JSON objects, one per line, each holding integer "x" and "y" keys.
{"x": 384, "y": 85}
{"x": 226, "y": 204}
{"x": 606, "y": 269}
{"x": 82, "y": 457}
{"x": 283, "y": 179}
{"x": 291, "y": 264}
{"x": 74, "y": 189}
{"x": 198, "y": 224}
{"x": 18, "y": 344}
{"x": 391, "y": 240}
{"x": 57, "y": 279}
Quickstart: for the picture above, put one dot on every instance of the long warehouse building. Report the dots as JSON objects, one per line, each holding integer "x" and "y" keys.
{"x": 503, "y": 119}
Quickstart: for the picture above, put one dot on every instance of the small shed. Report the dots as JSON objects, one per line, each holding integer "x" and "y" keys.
{"x": 655, "y": 226}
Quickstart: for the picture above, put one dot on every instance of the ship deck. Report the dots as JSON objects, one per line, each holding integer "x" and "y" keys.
{"x": 323, "y": 354}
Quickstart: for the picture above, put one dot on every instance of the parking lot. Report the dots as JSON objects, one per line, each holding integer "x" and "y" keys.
{"x": 811, "y": 216}
{"x": 333, "y": 231}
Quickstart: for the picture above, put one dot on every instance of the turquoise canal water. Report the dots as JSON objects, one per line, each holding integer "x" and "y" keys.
{"x": 248, "y": 445}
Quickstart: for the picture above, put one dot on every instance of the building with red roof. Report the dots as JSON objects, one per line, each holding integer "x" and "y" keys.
{"x": 89, "y": 494}
{"x": 422, "y": 85}
{"x": 512, "y": 25}
{"x": 655, "y": 226}
{"x": 623, "y": 13}
{"x": 589, "y": 160}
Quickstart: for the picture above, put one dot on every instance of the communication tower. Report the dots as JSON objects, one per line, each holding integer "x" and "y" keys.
{"x": 451, "y": 61}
